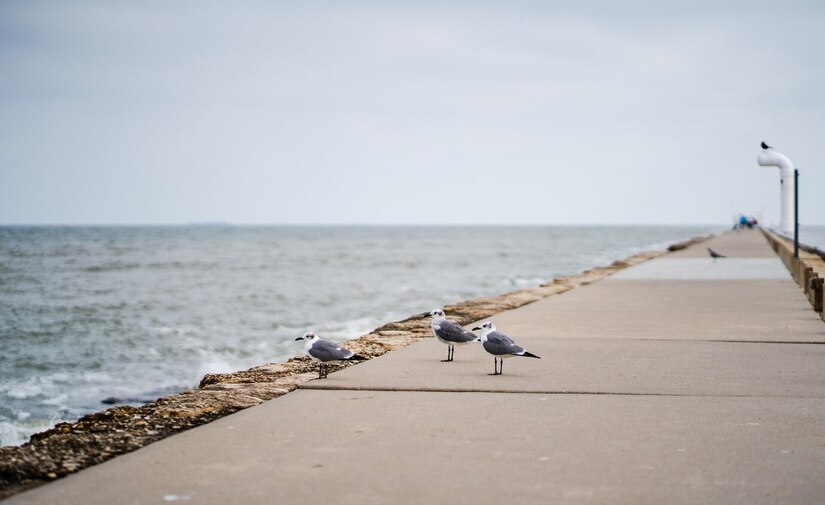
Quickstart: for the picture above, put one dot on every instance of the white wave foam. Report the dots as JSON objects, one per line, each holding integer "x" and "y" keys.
{"x": 352, "y": 328}
{"x": 57, "y": 401}
{"x": 18, "y": 432}
{"x": 526, "y": 282}
{"x": 216, "y": 365}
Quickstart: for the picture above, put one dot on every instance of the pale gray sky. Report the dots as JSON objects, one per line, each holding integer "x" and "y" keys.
{"x": 407, "y": 112}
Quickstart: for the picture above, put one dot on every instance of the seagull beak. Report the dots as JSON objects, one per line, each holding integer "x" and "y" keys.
{"x": 476, "y": 328}
{"x": 299, "y": 338}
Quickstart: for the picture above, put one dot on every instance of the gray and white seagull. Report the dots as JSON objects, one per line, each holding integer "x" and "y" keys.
{"x": 500, "y": 346}
{"x": 449, "y": 333}
{"x": 324, "y": 351}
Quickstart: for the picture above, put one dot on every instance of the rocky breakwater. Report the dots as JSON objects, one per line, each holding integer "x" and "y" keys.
{"x": 95, "y": 438}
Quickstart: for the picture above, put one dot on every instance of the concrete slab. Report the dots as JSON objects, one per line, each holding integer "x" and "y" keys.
{"x": 756, "y": 310}
{"x": 366, "y": 448}
{"x": 688, "y": 268}
{"x": 599, "y": 366}
{"x": 740, "y": 244}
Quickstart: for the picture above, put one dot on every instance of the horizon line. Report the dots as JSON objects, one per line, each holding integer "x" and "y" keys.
{"x": 219, "y": 224}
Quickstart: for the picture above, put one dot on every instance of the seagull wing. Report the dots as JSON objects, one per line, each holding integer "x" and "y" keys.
{"x": 324, "y": 351}
{"x": 452, "y": 332}
{"x": 499, "y": 344}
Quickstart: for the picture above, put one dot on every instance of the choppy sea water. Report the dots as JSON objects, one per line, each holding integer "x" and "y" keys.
{"x": 812, "y": 236}
{"x": 88, "y": 313}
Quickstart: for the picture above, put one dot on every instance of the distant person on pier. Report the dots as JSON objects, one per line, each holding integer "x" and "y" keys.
{"x": 745, "y": 222}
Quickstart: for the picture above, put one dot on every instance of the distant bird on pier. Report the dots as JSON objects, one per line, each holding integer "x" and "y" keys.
{"x": 449, "y": 333}
{"x": 766, "y": 146}
{"x": 714, "y": 254}
{"x": 500, "y": 346}
{"x": 324, "y": 351}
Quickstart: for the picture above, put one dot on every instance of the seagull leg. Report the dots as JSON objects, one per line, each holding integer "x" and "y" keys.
{"x": 449, "y": 354}
{"x": 495, "y": 366}
{"x": 500, "y": 366}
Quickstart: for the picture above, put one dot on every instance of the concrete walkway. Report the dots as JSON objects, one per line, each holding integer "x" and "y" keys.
{"x": 680, "y": 380}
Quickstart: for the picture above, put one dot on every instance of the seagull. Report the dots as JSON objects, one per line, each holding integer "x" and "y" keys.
{"x": 500, "y": 346}
{"x": 450, "y": 333}
{"x": 324, "y": 351}
{"x": 714, "y": 254}
{"x": 766, "y": 146}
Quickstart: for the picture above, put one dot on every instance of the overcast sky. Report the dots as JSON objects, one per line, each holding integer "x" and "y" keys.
{"x": 407, "y": 112}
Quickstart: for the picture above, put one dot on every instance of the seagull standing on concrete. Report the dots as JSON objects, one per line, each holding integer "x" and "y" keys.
{"x": 449, "y": 333}
{"x": 714, "y": 254}
{"x": 766, "y": 146}
{"x": 324, "y": 351}
{"x": 500, "y": 346}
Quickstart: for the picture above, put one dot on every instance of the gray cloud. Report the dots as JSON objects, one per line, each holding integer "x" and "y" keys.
{"x": 377, "y": 112}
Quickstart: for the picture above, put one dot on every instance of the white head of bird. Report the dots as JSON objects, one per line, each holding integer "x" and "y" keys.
{"x": 485, "y": 328}
{"x": 438, "y": 315}
{"x": 310, "y": 338}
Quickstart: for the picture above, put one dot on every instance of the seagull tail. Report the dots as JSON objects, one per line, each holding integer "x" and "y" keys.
{"x": 356, "y": 357}
{"x": 530, "y": 355}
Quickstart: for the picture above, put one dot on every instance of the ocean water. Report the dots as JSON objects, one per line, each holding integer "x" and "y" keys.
{"x": 88, "y": 313}
{"x": 812, "y": 235}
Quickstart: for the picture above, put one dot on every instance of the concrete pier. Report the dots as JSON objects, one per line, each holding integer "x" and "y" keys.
{"x": 680, "y": 380}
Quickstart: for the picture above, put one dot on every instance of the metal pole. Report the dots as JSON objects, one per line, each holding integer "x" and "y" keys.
{"x": 796, "y": 213}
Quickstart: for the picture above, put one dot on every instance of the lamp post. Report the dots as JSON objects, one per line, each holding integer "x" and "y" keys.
{"x": 796, "y": 213}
